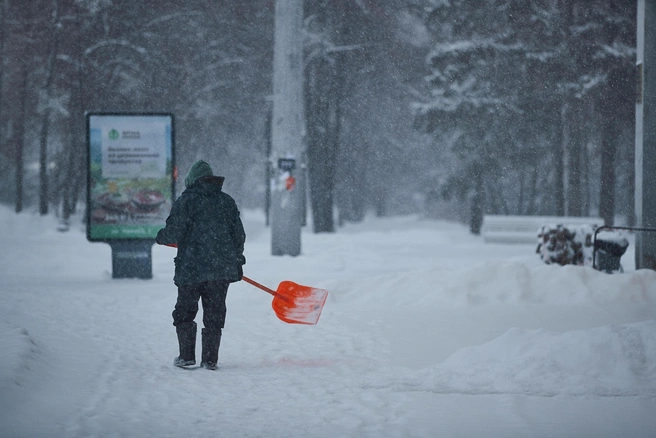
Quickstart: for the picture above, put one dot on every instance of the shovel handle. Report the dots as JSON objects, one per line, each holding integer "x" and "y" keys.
{"x": 258, "y": 285}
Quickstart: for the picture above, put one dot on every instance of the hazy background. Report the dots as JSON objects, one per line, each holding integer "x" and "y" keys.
{"x": 450, "y": 108}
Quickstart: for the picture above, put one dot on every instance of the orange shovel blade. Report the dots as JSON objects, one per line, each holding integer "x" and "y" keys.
{"x": 297, "y": 304}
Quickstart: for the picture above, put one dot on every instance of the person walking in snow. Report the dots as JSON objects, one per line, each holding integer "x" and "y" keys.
{"x": 205, "y": 226}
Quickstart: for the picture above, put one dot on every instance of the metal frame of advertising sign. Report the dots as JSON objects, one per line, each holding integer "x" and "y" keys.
{"x": 131, "y": 177}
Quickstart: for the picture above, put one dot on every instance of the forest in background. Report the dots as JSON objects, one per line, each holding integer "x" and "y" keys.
{"x": 449, "y": 108}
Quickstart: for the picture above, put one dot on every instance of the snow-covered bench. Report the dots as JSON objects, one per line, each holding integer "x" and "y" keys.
{"x": 524, "y": 229}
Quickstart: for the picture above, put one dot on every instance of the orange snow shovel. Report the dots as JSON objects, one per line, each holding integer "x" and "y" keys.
{"x": 294, "y": 303}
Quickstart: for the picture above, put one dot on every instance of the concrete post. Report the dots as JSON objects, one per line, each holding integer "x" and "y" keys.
{"x": 287, "y": 129}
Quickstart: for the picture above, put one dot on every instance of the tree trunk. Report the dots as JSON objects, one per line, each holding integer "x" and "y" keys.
{"x": 20, "y": 139}
{"x": 477, "y": 205}
{"x": 324, "y": 94}
{"x": 612, "y": 100}
{"x": 43, "y": 164}
{"x": 45, "y": 120}
{"x": 320, "y": 148}
{"x": 607, "y": 187}
{"x": 75, "y": 149}
{"x": 532, "y": 193}
{"x": 519, "y": 208}
{"x": 559, "y": 164}
{"x": 631, "y": 175}
{"x": 574, "y": 147}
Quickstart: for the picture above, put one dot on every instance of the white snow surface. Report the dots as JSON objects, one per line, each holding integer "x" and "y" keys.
{"x": 426, "y": 332}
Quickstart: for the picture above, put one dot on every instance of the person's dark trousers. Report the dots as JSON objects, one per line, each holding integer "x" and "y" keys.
{"x": 213, "y": 296}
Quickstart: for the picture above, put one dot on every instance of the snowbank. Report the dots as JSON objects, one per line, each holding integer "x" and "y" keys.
{"x": 604, "y": 361}
{"x": 502, "y": 281}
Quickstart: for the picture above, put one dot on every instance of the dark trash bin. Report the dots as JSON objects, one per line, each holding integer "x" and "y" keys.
{"x": 609, "y": 247}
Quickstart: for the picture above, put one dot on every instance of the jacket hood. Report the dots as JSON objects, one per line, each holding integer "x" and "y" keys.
{"x": 198, "y": 170}
{"x": 207, "y": 185}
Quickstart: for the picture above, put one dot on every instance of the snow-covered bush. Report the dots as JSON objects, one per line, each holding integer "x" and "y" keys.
{"x": 566, "y": 244}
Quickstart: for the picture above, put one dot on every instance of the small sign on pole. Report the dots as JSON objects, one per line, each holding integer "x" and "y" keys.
{"x": 130, "y": 185}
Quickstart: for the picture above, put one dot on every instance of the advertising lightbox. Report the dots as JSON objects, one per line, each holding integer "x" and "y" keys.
{"x": 131, "y": 168}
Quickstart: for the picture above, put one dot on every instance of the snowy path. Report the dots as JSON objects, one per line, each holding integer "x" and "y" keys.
{"x": 552, "y": 351}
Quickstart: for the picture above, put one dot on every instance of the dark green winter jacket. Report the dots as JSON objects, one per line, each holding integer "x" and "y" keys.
{"x": 204, "y": 223}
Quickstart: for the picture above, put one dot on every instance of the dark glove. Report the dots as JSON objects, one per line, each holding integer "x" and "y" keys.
{"x": 240, "y": 271}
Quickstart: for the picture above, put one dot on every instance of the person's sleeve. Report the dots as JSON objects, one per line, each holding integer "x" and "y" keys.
{"x": 176, "y": 225}
{"x": 239, "y": 237}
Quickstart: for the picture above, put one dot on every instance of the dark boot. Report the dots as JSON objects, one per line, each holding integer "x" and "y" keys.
{"x": 211, "y": 340}
{"x": 187, "y": 340}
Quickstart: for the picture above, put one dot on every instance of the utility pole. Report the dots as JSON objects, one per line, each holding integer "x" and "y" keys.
{"x": 287, "y": 128}
{"x": 645, "y": 151}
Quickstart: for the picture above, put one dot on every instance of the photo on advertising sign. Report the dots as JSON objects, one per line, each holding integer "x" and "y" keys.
{"x": 130, "y": 185}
